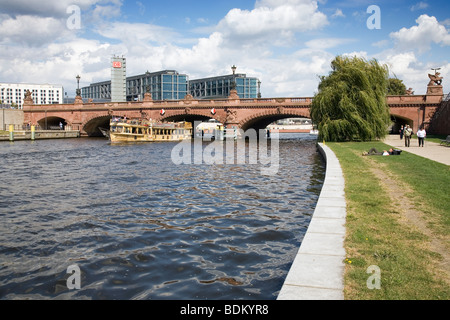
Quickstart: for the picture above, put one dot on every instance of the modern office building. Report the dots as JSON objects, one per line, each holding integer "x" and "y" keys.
{"x": 171, "y": 85}
{"x": 14, "y": 93}
{"x": 163, "y": 85}
{"x": 220, "y": 87}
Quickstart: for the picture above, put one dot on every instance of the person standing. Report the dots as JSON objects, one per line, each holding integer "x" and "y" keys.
{"x": 401, "y": 132}
{"x": 408, "y": 134}
{"x": 421, "y": 135}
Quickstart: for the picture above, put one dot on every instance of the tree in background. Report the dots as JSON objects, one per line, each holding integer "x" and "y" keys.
{"x": 351, "y": 102}
{"x": 396, "y": 87}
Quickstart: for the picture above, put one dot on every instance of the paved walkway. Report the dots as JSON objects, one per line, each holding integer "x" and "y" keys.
{"x": 432, "y": 150}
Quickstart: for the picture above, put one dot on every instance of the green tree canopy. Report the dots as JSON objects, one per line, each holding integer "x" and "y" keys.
{"x": 396, "y": 87}
{"x": 351, "y": 102}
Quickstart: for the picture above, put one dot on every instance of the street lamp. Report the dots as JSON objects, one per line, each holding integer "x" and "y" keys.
{"x": 259, "y": 88}
{"x": 233, "y": 83}
{"x": 78, "y": 86}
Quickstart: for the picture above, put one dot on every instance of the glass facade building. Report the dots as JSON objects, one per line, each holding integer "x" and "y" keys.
{"x": 163, "y": 85}
{"x": 220, "y": 87}
{"x": 171, "y": 85}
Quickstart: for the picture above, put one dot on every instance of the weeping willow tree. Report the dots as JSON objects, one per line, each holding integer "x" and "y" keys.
{"x": 351, "y": 102}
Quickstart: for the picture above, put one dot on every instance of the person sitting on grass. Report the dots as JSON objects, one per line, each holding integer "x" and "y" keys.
{"x": 375, "y": 152}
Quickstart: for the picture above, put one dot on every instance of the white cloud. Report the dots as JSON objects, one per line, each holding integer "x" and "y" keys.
{"x": 419, "y": 6}
{"x": 31, "y": 30}
{"x": 272, "y": 19}
{"x": 133, "y": 34}
{"x": 338, "y": 14}
{"x": 46, "y": 8}
{"x": 422, "y": 36}
{"x": 413, "y": 72}
{"x": 327, "y": 43}
{"x": 359, "y": 54}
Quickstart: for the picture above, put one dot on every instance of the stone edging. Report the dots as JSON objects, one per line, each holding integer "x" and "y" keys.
{"x": 317, "y": 272}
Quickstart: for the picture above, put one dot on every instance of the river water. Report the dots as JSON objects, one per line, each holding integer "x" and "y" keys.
{"x": 139, "y": 226}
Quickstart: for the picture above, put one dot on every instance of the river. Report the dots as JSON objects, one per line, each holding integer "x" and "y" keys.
{"x": 139, "y": 226}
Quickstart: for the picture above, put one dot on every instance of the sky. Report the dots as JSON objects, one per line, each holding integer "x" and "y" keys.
{"x": 287, "y": 44}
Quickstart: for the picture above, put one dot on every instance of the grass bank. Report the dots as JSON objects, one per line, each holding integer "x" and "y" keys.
{"x": 398, "y": 220}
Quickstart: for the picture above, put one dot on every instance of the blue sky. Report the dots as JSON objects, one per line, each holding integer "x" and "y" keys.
{"x": 286, "y": 43}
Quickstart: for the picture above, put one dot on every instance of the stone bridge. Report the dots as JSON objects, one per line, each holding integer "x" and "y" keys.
{"x": 87, "y": 117}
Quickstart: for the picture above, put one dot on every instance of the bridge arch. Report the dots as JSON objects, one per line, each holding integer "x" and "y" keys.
{"x": 261, "y": 120}
{"x": 397, "y": 121}
{"x": 49, "y": 123}
{"x": 190, "y": 117}
{"x": 91, "y": 126}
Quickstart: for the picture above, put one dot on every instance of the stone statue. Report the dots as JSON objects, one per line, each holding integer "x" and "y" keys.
{"x": 409, "y": 92}
{"x": 435, "y": 79}
{"x": 231, "y": 116}
{"x": 28, "y": 98}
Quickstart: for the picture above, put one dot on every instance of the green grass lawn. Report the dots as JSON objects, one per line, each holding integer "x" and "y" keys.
{"x": 379, "y": 232}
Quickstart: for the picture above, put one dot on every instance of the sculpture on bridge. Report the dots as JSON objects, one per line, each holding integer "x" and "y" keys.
{"x": 435, "y": 79}
{"x": 435, "y": 84}
{"x": 27, "y": 94}
{"x": 231, "y": 116}
{"x": 409, "y": 92}
{"x": 28, "y": 101}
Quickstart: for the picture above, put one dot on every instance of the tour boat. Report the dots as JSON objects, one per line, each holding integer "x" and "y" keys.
{"x": 142, "y": 130}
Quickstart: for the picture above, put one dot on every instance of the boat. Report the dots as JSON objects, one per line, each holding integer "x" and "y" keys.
{"x": 143, "y": 130}
{"x": 105, "y": 132}
{"x": 314, "y": 132}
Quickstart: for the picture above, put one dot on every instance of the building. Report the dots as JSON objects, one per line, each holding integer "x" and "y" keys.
{"x": 220, "y": 87}
{"x": 171, "y": 85}
{"x": 118, "y": 79}
{"x": 14, "y": 93}
{"x": 163, "y": 85}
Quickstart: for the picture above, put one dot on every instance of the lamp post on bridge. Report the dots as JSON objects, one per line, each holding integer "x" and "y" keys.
{"x": 259, "y": 89}
{"x": 233, "y": 82}
{"x": 78, "y": 93}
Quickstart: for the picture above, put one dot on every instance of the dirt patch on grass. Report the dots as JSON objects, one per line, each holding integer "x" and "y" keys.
{"x": 411, "y": 214}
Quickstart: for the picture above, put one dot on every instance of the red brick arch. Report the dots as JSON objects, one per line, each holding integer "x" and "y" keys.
{"x": 91, "y": 125}
{"x": 271, "y": 115}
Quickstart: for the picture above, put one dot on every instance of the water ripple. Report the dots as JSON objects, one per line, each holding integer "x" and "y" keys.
{"x": 140, "y": 227}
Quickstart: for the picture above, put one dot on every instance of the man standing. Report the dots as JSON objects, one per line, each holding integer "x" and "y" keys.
{"x": 408, "y": 134}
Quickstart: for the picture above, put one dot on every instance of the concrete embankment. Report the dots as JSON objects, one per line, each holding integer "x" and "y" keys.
{"x": 317, "y": 272}
{"x": 40, "y": 135}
